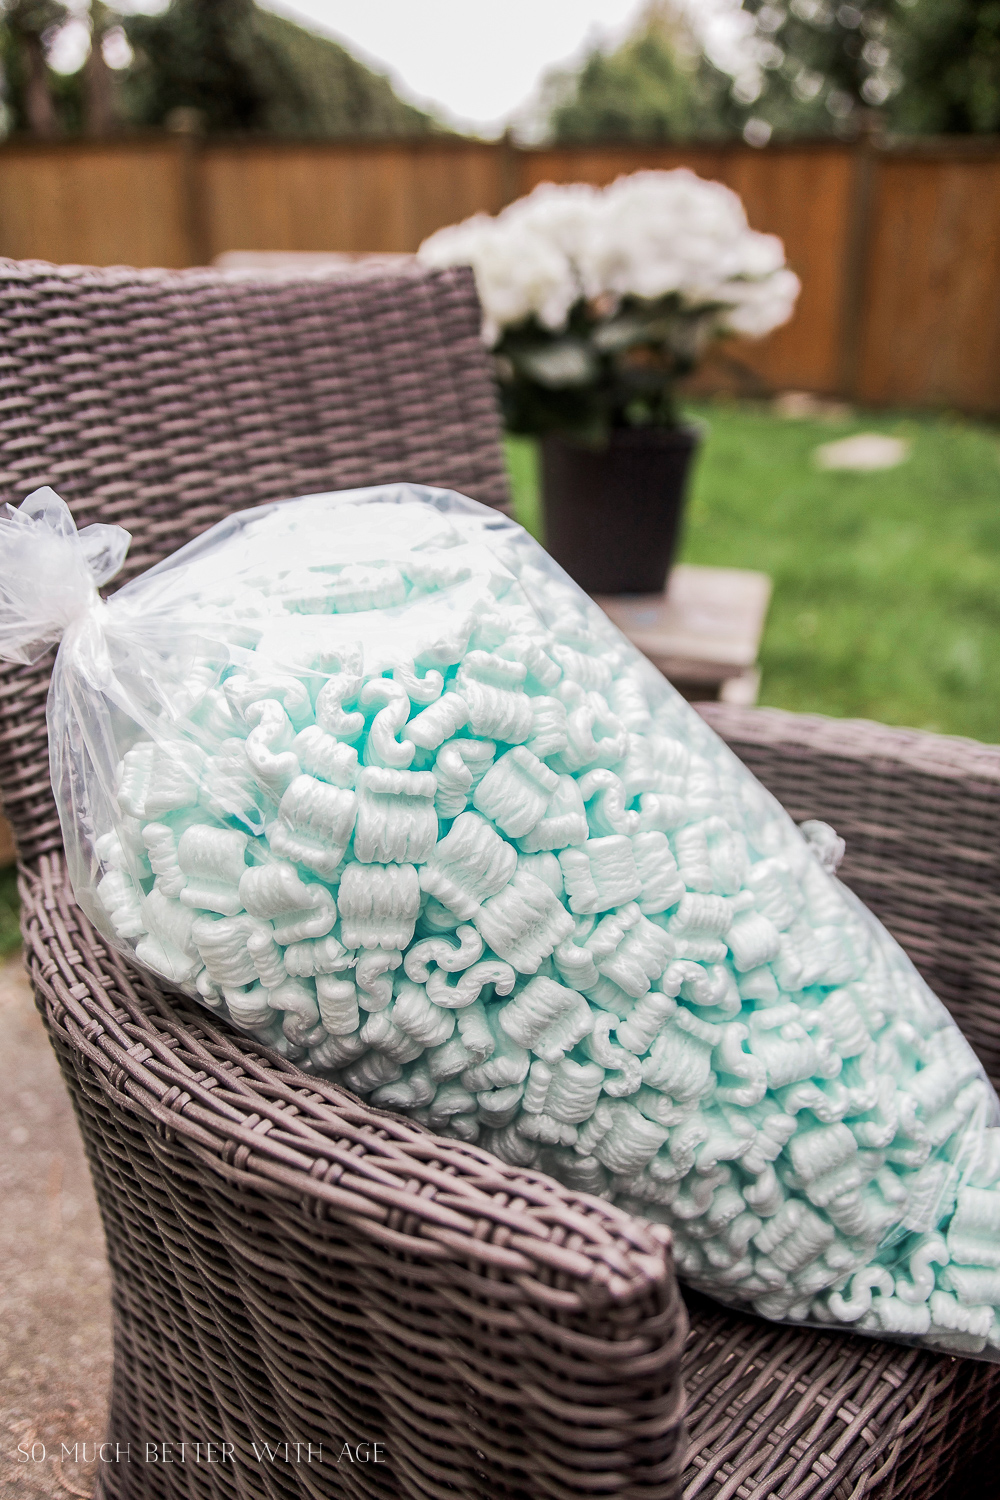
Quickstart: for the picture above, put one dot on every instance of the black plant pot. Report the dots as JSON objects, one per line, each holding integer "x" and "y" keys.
{"x": 612, "y": 515}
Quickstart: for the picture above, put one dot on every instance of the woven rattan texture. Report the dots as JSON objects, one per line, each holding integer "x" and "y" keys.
{"x": 167, "y": 400}
{"x": 164, "y": 401}
{"x": 293, "y": 1266}
{"x": 289, "y": 1263}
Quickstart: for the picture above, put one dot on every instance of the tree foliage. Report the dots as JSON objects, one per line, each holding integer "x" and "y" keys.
{"x": 927, "y": 66}
{"x": 228, "y": 65}
{"x": 245, "y": 69}
{"x": 656, "y": 86}
{"x": 805, "y": 68}
{"x": 342, "y": 96}
{"x": 949, "y": 61}
{"x": 26, "y": 28}
{"x": 208, "y": 56}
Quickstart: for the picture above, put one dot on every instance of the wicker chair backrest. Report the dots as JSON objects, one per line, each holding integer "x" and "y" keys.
{"x": 468, "y": 1316}
{"x": 163, "y": 402}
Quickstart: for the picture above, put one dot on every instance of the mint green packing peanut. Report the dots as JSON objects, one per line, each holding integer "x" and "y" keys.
{"x": 369, "y": 777}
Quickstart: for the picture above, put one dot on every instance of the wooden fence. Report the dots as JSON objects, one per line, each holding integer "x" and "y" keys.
{"x": 898, "y": 247}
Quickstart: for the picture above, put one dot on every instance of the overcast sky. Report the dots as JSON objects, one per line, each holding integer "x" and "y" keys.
{"x": 475, "y": 62}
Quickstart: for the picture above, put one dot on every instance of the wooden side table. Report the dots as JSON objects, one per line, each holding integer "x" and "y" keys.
{"x": 703, "y": 631}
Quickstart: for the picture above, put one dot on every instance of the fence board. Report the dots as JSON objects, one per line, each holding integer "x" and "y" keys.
{"x": 931, "y": 324}
{"x": 898, "y": 249}
{"x": 96, "y": 204}
{"x": 804, "y": 197}
{"x": 364, "y": 196}
{"x": 602, "y": 164}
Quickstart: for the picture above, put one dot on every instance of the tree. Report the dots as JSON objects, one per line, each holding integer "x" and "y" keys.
{"x": 819, "y": 66}
{"x": 26, "y": 28}
{"x": 99, "y": 105}
{"x": 244, "y": 69}
{"x": 205, "y": 55}
{"x": 948, "y": 54}
{"x": 657, "y": 85}
{"x": 930, "y": 66}
{"x": 341, "y": 95}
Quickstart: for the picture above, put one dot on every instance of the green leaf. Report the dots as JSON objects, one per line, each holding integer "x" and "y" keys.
{"x": 563, "y": 363}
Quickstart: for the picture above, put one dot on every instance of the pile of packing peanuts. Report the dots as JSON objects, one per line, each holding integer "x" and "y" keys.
{"x": 430, "y": 826}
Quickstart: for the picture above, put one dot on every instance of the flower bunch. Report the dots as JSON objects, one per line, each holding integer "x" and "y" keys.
{"x": 596, "y": 301}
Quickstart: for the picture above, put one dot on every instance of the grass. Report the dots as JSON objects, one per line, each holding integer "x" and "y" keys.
{"x": 10, "y": 933}
{"x": 886, "y": 585}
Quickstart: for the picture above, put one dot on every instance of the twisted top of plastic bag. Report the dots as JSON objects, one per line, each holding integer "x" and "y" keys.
{"x": 50, "y": 572}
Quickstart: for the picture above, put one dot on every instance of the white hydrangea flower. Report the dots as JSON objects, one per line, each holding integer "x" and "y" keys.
{"x": 649, "y": 235}
{"x": 762, "y": 305}
{"x": 519, "y": 268}
{"x": 659, "y": 233}
{"x": 763, "y": 254}
{"x": 563, "y": 215}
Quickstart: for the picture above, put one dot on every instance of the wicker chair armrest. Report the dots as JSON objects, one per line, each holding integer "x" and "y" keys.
{"x": 854, "y": 741}
{"x": 921, "y": 817}
{"x": 499, "y": 1296}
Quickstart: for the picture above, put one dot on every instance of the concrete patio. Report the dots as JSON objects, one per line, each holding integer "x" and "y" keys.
{"x": 55, "y": 1320}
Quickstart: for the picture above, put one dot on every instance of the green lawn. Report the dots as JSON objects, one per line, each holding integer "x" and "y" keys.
{"x": 10, "y": 936}
{"x": 886, "y": 585}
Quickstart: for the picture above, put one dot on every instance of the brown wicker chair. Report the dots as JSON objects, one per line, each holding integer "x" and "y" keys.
{"x": 289, "y": 1264}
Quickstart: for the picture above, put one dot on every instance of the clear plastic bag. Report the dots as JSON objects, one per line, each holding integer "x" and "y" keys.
{"x": 370, "y": 777}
